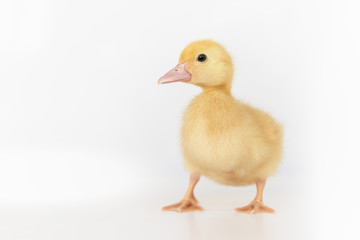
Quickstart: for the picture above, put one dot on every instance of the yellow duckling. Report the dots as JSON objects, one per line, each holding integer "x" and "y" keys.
{"x": 222, "y": 138}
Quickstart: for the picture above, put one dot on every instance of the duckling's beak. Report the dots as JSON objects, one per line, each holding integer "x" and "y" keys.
{"x": 177, "y": 74}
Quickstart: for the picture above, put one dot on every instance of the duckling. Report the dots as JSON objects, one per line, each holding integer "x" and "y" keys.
{"x": 222, "y": 138}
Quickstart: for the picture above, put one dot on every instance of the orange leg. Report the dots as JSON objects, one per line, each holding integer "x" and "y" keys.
{"x": 257, "y": 205}
{"x": 189, "y": 202}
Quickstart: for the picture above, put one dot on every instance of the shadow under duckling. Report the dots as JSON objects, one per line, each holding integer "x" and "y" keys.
{"x": 222, "y": 138}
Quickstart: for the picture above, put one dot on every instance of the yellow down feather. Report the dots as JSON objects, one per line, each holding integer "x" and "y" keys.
{"x": 222, "y": 138}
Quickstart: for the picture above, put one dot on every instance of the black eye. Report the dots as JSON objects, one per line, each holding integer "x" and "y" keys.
{"x": 202, "y": 58}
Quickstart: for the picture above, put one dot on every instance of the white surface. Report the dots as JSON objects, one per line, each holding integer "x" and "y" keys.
{"x": 89, "y": 142}
{"x": 138, "y": 216}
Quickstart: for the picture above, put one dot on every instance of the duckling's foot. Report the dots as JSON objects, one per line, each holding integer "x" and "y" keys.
{"x": 185, "y": 205}
{"x": 255, "y": 207}
{"x": 189, "y": 202}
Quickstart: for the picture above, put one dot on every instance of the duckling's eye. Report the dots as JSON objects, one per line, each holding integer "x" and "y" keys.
{"x": 202, "y": 58}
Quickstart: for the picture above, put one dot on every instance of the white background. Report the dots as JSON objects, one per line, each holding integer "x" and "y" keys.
{"x": 89, "y": 143}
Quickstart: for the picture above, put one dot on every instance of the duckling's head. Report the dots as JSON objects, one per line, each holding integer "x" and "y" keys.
{"x": 204, "y": 63}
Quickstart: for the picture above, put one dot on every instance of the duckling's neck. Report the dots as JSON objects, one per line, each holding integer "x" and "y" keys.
{"x": 217, "y": 89}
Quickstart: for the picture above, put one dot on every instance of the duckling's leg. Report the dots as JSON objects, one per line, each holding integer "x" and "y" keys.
{"x": 189, "y": 202}
{"x": 257, "y": 205}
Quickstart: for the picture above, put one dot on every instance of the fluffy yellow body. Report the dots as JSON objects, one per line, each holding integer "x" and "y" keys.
{"x": 229, "y": 141}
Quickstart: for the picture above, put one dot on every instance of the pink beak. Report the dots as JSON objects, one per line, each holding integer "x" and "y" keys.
{"x": 177, "y": 74}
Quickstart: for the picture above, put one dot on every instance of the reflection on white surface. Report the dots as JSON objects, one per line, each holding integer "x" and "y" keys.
{"x": 123, "y": 213}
